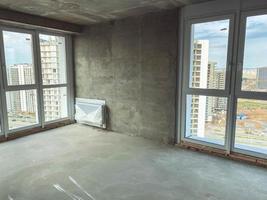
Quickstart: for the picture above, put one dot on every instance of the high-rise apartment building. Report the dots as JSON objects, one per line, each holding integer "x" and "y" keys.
{"x": 24, "y": 101}
{"x": 210, "y": 85}
{"x": 206, "y": 75}
{"x": 220, "y": 104}
{"x": 261, "y": 78}
{"x": 199, "y": 79}
{"x": 52, "y": 73}
{"x": 211, "y": 75}
{"x": 216, "y": 80}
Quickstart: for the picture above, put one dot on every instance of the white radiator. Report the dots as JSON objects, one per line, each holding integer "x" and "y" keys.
{"x": 91, "y": 112}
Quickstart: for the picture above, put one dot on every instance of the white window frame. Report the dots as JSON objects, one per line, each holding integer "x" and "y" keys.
{"x": 237, "y": 10}
{"x": 69, "y": 81}
{"x": 186, "y": 90}
{"x": 10, "y": 88}
{"x": 2, "y": 122}
{"x": 4, "y": 87}
{"x": 239, "y": 94}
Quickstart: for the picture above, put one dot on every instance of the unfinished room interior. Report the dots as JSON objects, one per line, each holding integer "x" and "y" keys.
{"x": 133, "y": 99}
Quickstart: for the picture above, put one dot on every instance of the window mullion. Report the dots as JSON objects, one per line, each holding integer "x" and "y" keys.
{"x": 3, "y": 84}
{"x": 39, "y": 79}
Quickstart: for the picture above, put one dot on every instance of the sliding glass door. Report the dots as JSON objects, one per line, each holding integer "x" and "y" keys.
{"x": 224, "y": 92}
{"x": 35, "y": 84}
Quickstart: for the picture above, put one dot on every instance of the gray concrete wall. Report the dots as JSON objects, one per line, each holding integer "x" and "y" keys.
{"x": 131, "y": 63}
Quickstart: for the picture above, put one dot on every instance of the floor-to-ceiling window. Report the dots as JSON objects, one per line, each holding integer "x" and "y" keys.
{"x": 34, "y": 79}
{"x": 54, "y": 76}
{"x": 206, "y": 89}
{"x": 20, "y": 79}
{"x": 224, "y": 87}
{"x": 251, "y": 87}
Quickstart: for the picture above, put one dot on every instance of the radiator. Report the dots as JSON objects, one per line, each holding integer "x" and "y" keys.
{"x": 91, "y": 112}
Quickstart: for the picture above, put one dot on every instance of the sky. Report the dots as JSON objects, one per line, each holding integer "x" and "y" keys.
{"x": 217, "y": 34}
{"x": 18, "y": 47}
{"x": 255, "y": 54}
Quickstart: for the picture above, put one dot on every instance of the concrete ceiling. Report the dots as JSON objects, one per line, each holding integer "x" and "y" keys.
{"x": 86, "y": 12}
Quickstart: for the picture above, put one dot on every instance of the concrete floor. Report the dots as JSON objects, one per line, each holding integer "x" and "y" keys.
{"x": 111, "y": 166}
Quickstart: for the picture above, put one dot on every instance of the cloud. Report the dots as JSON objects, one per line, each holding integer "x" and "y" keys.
{"x": 255, "y": 42}
{"x": 255, "y": 45}
{"x": 217, "y": 34}
{"x": 211, "y": 30}
{"x": 256, "y": 27}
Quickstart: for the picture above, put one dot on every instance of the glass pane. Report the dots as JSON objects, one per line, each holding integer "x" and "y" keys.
{"x": 55, "y": 103}
{"x": 209, "y": 54}
{"x": 21, "y": 108}
{"x": 251, "y": 125}
{"x": 206, "y": 118}
{"x": 53, "y": 59}
{"x": 19, "y": 58}
{"x": 254, "y": 75}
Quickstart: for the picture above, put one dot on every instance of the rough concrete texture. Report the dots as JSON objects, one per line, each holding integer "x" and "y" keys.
{"x": 131, "y": 64}
{"x": 115, "y": 166}
{"x": 91, "y": 11}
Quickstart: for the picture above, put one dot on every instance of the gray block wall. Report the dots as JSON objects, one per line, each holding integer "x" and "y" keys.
{"x": 131, "y": 63}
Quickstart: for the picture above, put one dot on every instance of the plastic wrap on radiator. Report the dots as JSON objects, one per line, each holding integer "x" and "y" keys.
{"x": 90, "y": 112}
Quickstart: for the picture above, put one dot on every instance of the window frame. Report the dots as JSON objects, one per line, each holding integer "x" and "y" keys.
{"x": 2, "y": 97}
{"x": 10, "y": 88}
{"x": 240, "y": 10}
{"x": 239, "y": 93}
{"x": 187, "y": 55}
{"x": 38, "y": 86}
{"x": 35, "y": 67}
{"x": 69, "y": 80}
{"x": 186, "y": 90}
